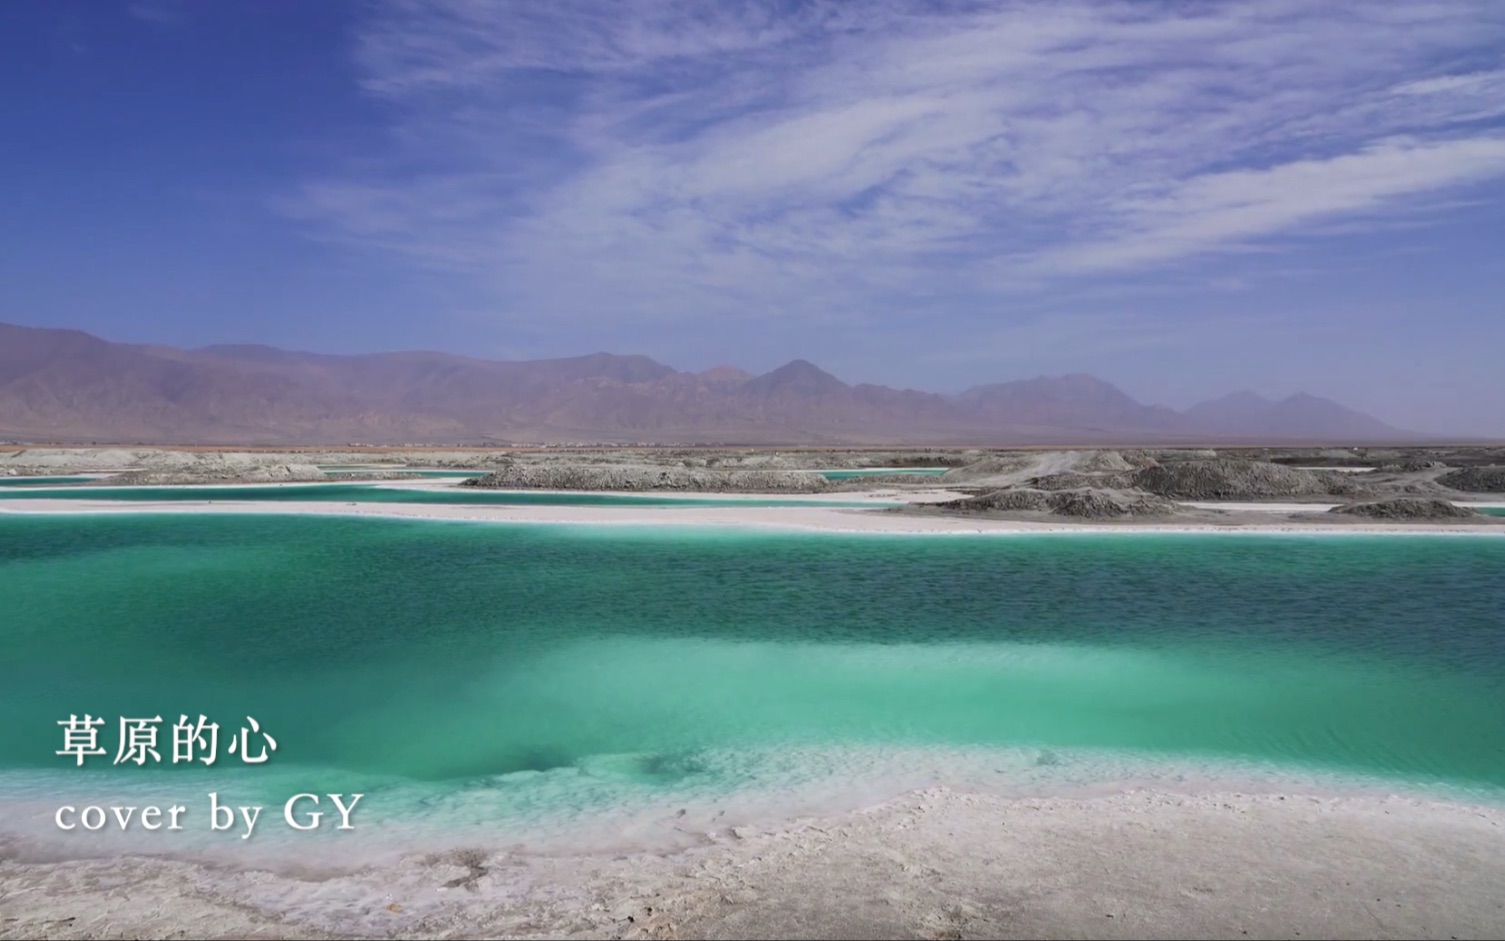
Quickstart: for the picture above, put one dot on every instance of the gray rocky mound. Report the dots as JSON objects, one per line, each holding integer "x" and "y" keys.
{"x": 644, "y": 477}
{"x": 225, "y": 473}
{"x": 1144, "y": 457}
{"x": 1407, "y": 508}
{"x": 1239, "y": 480}
{"x": 1013, "y": 469}
{"x": 1412, "y": 465}
{"x": 1079, "y": 504}
{"x": 1475, "y": 479}
{"x": 1073, "y": 480}
{"x": 1001, "y": 465}
{"x": 1101, "y": 462}
{"x": 1424, "y": 487}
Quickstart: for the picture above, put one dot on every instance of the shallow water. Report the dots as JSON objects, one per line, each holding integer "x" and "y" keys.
{"x": 39, "y": 481}
{"x": 869, "y": 471}
{"x": 375, "y": 493}
{"x": 517, "y": 674}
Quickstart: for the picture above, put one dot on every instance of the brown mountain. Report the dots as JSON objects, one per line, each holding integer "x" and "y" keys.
{"x": 1250, "y": 415}
{"x": 1075, "y": 401}
{"x": 69, "y": 386}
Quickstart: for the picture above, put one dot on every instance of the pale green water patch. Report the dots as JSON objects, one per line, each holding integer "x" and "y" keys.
{"x": 870, "y": 471}
{"x": 40, "y": 481}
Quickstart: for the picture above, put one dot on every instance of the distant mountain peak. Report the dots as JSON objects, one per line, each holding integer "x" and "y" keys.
{"x": 1243, "y": 397}
{"x": 242, "y": 348}
{"x": 249, "y": 352}
{"x": 1306, "y": 398}
{"x": 1074, "y": 400}
{"x": 1075, "y": 385}
{"x": 1301, "y": 415}
{"x": 797, "y": 375}
{"x": 724, "y": 374}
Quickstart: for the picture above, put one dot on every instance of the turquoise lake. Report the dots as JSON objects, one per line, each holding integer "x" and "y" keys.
{"x": 534, "y": 670}
{"x": 39, "y": 481}
{"x": 372, "y": 493}
{"x": 870, "y": 471}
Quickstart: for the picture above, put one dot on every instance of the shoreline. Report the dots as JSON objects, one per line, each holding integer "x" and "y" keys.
{"x": 846, "y": 520}
{"x": 935, "y": 862}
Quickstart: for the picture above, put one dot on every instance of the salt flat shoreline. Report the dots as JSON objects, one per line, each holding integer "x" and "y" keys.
{"x": 797, "y": 519}
{"x": 936, "y": 863}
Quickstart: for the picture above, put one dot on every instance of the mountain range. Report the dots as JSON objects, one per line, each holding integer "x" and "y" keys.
{"x": 66, "y": 386}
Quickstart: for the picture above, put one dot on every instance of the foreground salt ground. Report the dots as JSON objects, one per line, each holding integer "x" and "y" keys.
{"x": 933, "y": 864}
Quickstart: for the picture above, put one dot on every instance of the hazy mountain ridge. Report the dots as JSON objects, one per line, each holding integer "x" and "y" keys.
{"x": 66, "y": 385}
{"x": 1244, "y": 413}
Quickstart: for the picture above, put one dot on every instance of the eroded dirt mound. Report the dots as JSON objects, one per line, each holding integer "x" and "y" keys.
{"x": 1475, "y": 479}
{"x": 1083, "y": 503}
{"x": 1407, "y": 508}
{"x": 1014, "y": 469}
{"x": 1072, "y": 480}
{"x": 1412, "y": 465}
{"x": 1239, "y": 480}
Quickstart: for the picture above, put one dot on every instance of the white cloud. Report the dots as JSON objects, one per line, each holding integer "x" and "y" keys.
{"x": 681, "y": 160}
{"x": 1218, "y": 209}
{"x": 156, "y": 12}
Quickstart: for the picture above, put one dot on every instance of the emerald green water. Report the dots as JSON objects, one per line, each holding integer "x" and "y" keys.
{"x": 1493, "y": 510}
{"x": 38, "y": 481}
{"x": 456, "y": 671}
{"x": 372, "y": 493}
{"x": 868, "y": 471}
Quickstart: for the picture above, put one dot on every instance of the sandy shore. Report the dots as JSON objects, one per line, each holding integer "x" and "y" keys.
{"x": 815, "y": 518}
{"x": 932, "y": 864}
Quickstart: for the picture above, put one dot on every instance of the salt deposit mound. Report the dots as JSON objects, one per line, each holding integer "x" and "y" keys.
{"x": 1144, "y": 457}
{"x": 1238, "y": 480}
{"x": 1407, "y": 508}
{"x": 1475, "y": 479}
{"x": 1080, "y": 504}
{"x": 1005, "y": 470}
{"x": 1101, "y": 462}
{"x": 1412, "y": 465}
{"x": 1072, "y": 480}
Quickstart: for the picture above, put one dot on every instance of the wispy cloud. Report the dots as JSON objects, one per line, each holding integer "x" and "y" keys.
{"x": 674, "y": 160}
{"x": 157, "y": 12}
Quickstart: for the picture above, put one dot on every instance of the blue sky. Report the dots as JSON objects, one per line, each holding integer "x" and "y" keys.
{"x": 1184, "y": 199}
